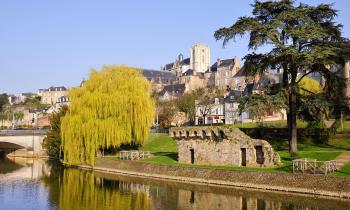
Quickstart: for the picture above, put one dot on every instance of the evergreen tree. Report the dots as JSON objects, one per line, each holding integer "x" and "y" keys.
{"x": 303, "y": 39}
{"x": 113, "y": 106}
{"x": 52, "y": 141}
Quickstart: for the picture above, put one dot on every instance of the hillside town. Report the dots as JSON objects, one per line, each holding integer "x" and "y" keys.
{"x": 183, "y": 105}
{"x": 173, "y": 80}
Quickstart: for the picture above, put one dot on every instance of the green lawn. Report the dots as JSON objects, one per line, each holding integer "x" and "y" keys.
{"x": 165, "y": 150}
{"x": 160, "y": 142}
{"x": 345, "y": 128}
{"x": 344, "y": 171}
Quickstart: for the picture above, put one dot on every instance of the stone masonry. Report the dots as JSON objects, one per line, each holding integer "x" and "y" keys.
{"x": 222, "y": 145}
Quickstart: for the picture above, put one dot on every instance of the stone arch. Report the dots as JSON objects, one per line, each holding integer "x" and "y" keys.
{"x": 221, "y": 134}
{"x": 187, "y": 134}
{"x": 11, "y": 145}
{"x": 204, "y": 134}
{"x": 174, "y": 134}
{"x": 195, "y": 133}
{"x": 180, "y": 134}
{"x": 213, "y": 135}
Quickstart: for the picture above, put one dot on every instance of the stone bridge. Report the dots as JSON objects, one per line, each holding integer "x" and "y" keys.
{"x": 22, "y": 142}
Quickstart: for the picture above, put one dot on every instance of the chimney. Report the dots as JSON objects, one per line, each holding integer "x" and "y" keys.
{"x": 218, "y": 61}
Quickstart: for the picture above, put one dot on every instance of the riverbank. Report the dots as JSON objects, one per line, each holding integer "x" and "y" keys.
{"x": 285, "y": 182}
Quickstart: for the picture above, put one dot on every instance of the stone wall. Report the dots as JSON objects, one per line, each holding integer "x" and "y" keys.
{"x": 222, "y": 145}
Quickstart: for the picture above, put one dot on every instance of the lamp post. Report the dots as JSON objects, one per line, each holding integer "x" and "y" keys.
{"x": 240, "y": 89}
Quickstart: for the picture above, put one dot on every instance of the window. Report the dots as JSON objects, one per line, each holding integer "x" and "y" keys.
{"x": 269, "y": 114}
{"x": 217, "y": 111}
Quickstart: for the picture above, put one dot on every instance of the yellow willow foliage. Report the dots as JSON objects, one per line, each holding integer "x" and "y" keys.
{"x": 113, "y": 106}
{"x": 309, "y": 84}
{"x": 79, "y": 191}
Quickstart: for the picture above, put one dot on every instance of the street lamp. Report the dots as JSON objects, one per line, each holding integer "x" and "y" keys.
{"x": 239, "y": 87}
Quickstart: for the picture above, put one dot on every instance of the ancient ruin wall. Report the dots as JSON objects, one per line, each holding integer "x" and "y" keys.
{"x": 222, "y": 145}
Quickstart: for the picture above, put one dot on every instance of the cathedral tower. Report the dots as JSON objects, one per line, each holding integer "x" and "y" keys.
{"x": 200, "y": 58}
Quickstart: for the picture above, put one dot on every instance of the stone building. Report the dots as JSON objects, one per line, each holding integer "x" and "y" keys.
{"x": 190, "y": 71}
{"x": 196, "y": 72}
{"x": 51, "y": 95}
{"x": 223, "y": 73}
{"x": 222, "y": 145}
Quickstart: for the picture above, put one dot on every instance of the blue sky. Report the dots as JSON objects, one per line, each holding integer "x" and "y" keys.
{"x": 44, "y": 43}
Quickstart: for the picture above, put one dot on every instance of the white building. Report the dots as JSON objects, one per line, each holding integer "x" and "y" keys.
{"x": 232, "y": 115}
{"x": 211, "y": 112}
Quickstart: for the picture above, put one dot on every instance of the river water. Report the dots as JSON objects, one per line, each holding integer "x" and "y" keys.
{"x": 40, "y": 185}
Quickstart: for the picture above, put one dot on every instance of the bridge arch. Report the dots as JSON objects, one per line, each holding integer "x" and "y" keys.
{"x": 32, "y": 143}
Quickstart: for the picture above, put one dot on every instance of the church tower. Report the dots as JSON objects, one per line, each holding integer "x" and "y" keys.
{"x": 200, "y": 58}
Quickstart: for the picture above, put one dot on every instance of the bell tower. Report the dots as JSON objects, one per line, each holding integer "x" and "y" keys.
{"x": 200, "y": 58}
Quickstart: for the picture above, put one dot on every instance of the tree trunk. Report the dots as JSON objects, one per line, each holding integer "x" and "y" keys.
{"x": 292, "y": 123}
{"x": 285, "y": 85}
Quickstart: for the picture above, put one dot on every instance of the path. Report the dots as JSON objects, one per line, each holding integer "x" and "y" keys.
{"x": 343, "y": 159}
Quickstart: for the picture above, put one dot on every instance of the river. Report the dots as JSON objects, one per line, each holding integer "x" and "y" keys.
{"x": 40, "y": 185}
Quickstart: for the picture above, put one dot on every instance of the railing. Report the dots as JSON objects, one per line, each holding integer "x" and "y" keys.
{"x": 314, "y": 166}
{"x": 37, "y": 132}
{"x": 134, "y": 155}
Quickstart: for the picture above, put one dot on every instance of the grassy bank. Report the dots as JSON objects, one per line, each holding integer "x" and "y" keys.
{"x": 165, "y": 150}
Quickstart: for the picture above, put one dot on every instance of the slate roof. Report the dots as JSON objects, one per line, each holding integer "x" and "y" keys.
{"x": 185, "y": 61}
{"x": 223, "y": 63}
{"x": 240, "y": 73}
{"x": 28, "y": 94}
{"x": 175, "y": 89}
{"x": 152, "y": 74}
{"x": 188, "y": 72}
{"x": 233, "y": 96}
{"x": 60, "y": 88}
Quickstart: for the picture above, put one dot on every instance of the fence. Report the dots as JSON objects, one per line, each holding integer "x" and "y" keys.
{"x": 134, "y": 155}
{"x": 314, "y": 166}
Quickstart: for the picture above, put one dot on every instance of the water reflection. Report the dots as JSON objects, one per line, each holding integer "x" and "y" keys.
{"x": 82, "y": 190}
{"x": 57, "y": 188}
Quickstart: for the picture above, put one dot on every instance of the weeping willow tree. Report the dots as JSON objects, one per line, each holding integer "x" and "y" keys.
{"x": 112, "y": 107}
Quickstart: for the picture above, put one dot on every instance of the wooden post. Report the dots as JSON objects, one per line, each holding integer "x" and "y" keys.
{"x": 315, "y": 167}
